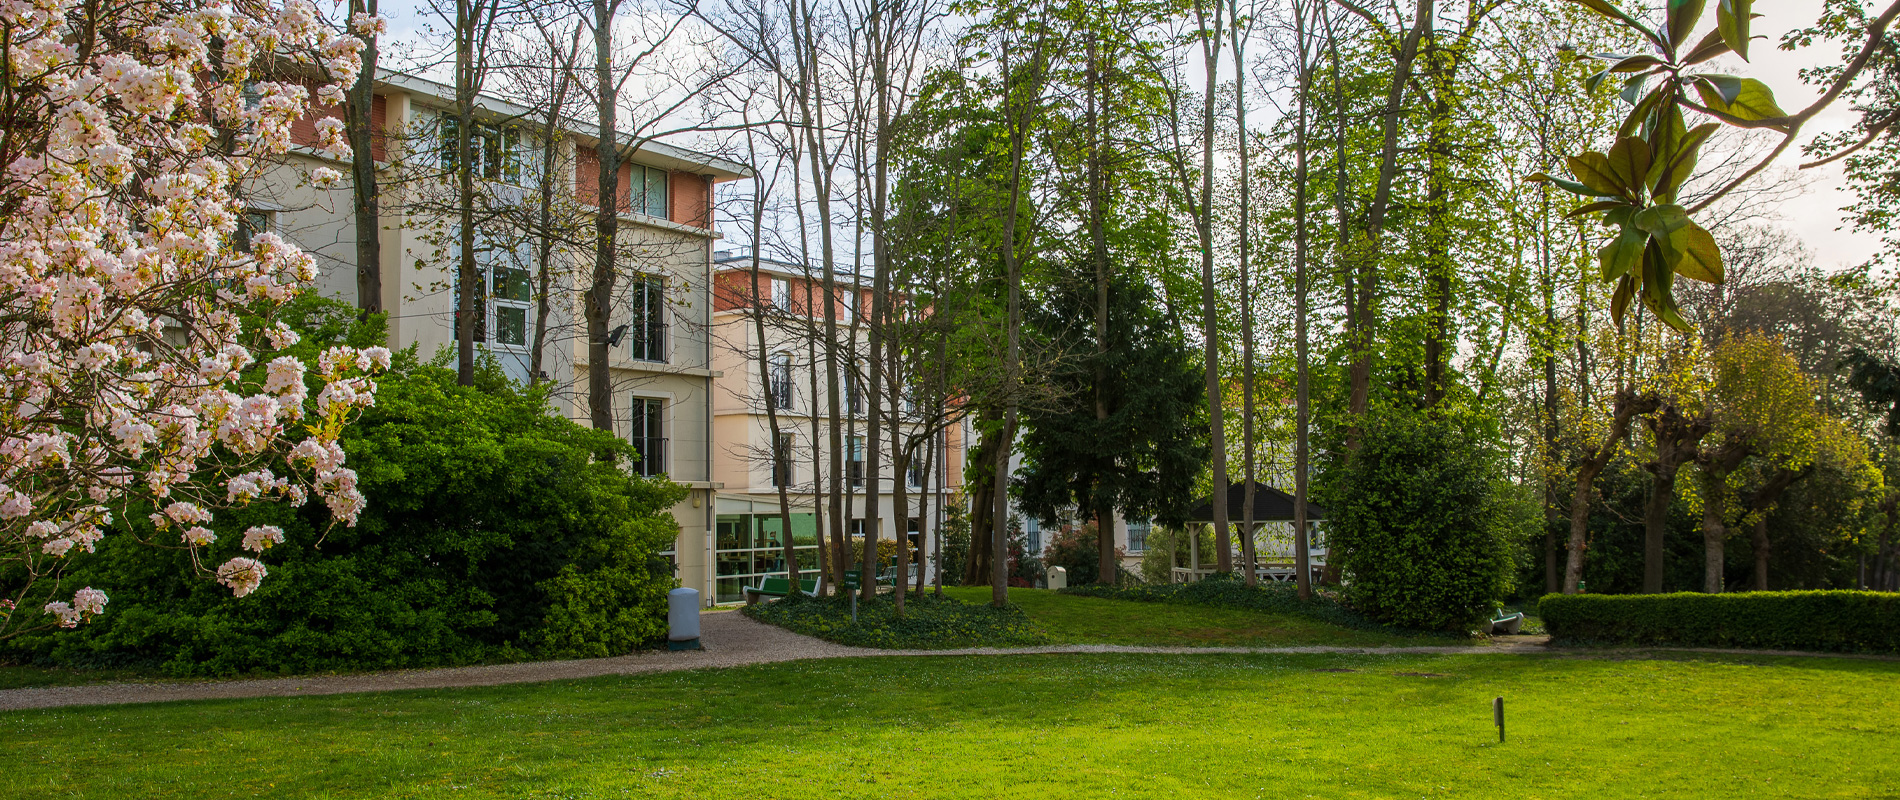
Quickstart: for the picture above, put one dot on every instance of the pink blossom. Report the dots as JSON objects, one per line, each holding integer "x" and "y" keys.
{"x": 242, "y": 575}
{"x": 259, "y": 538}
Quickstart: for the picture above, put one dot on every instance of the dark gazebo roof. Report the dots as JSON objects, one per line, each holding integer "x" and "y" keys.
{"x": 1269, "y": 505}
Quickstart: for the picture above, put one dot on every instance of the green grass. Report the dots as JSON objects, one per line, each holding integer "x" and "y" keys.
{"x": 1028, "y": 726}
{"x": 20, "y": 677}
{"x": 929, "y": 622}
{"x": 1092, "y": 620}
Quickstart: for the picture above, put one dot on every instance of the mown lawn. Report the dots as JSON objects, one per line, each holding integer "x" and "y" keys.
{"x": 1028, "y": 726}
{"x": 1093, "y": 620}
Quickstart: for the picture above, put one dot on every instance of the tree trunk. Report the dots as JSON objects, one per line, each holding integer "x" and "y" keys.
{"x": 597, "y": 305}
{"x": 1714, "y": 533}
{"x": 1676, "y": 438}
{"x": 1627, "y": 405}
{"x": 1762, "y": 550}
{"x": 1760, "y": 505}
{"x": 1098, "y": 256}
{"x": 980, "y": 491}
{"x": 1250, "y": 564}
{"x": 364, "y": 189}
{"x": 1210, "y": 318}
{"x": 468, "y": 281}
{"x": 1302, "y": 401}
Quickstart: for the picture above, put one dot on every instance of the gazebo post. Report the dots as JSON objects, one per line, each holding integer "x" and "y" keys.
{"x": 1194, "y": 557}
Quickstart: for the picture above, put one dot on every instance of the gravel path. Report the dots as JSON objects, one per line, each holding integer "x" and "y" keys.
{"x": 731, "y": 639}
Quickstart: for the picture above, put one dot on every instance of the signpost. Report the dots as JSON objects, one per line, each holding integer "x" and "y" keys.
{"x": 853, "y": 580}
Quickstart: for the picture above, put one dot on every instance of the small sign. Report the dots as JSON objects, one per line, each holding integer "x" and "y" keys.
{"x": 854, "y": 579}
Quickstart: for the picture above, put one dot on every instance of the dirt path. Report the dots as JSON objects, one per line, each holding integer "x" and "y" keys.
{"x": 731, "y": 639}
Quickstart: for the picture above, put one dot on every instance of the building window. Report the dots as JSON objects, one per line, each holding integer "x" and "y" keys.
{"x": 250, "y": 225}
{"x": 647, "y": 336}
{"x": 915, "y": 472}
{"x": 649, "y": 436}
{"x": 782, "y": 460}
{"x": 509, "y": 297}
{"x": 781, "y": 294}
{"x": 751, "y": 547}
{"x": 497, "y": 151}
{"x": 1032, "y": 531}
{"x": 649, "y": 191}
{"x": 778, "y": 381}
{"x": 853, "y": 391}
{"x": 1138, "y": 536}
{"x": 854, "y": 460}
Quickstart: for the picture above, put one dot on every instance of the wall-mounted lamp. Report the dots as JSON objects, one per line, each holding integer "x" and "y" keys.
{"x": 613, "y": 336}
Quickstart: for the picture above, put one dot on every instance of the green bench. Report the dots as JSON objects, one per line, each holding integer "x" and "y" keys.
{"x": 778, "y": 587}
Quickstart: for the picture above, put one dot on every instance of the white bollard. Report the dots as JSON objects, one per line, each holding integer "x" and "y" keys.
{"x": 682, "y": 619}
{"x": 1058, "y": 578}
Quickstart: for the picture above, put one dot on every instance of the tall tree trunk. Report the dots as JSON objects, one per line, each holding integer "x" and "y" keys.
{"x": 560, "y": 80}
{"x": 1438, "y": 339}
{"x": 1250, "y": 564}
{"x": 1627, "y": 405}
{"x": 780, "y": 454}
{"x": 1365, "y": 256}
{"x": 1714, "y": 533}
{"x": 980, "y": 491}
{"x": 358, "y": 107}
{"x": 1098, "y": 257}
{"x": 597, "y": 304}
{"x": 1676, "y": 438}
{"x": 468, "y": 279}
{"x": 1211, "y": 44}
{"x": 1302, "y": 272}
{"x": 1760, "y": 505}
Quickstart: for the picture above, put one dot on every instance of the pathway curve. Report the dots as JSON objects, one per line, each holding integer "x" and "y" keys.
{"x": 731, "y": 639}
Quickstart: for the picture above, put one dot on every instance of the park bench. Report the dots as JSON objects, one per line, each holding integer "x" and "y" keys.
{"x": 778, "y": 587}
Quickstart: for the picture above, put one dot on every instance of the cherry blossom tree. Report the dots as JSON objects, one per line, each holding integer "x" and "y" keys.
{"x": 132, "y": 322}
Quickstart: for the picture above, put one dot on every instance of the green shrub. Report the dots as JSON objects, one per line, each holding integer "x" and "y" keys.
{"x": 494, "y": 530}
{"x": 1419, "y": 524}
{"x": 956, "y": 544}
{"x": 1836, "y": 621}
{"x": 1076, "y": 549}
{"x": 929, "y": 622}
{"x": 1229, "y": 591}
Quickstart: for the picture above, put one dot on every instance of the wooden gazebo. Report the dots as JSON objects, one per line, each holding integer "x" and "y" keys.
{"x": 1270, "y": 505}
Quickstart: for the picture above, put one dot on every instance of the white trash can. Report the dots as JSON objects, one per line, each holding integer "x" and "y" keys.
{"x": 682, "y": 619}
{"x": 1058, "y": 578}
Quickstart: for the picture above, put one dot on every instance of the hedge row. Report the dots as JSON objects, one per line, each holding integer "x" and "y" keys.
{"x": 1852, "y": 622}
{"x": 929, "y": 622}
{"x": 1229, "y": 591}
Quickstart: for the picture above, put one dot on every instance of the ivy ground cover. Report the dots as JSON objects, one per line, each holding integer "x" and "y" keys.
{"x": 1030, "y": 726}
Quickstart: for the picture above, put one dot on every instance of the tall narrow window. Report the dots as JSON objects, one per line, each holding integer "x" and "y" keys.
{"x": 853, "y": 391}
{"x": 649, "y": 435}
{"x": 510, "y": 293}
{"x": 781, "y": 294}
{"x": 497, "y": 151}
{"x": 778, "y": 381}
{"x": 647, "y": 336}
{"x": 1032, "y": 530}
{"x": 916, "y": 471}
{"x": 649, "y": 186}
{"x": 854, "y": 461}
{"x": 782, "y": 460}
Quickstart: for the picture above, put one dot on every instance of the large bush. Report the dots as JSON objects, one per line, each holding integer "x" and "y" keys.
{"x": 494, "y": 530}
{"x": 1420, "y": 521}
{"x": 1859, "y": 622}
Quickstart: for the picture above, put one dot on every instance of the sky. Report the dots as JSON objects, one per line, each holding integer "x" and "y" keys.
{"x": 1815, "y": 217}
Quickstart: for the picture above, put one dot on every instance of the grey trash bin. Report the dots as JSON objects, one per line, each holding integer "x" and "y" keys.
{"x": 682, "y": 619}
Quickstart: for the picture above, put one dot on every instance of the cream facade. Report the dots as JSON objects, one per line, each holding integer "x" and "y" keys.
{"x": 748, "y": 546}
{"x": 662, "y": 361}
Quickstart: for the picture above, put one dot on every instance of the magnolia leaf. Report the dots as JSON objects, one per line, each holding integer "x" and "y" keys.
{"x": 1710, "y": 47}
{"x": 1636, "y": 63}
{"x": 1633, "y": 88}
{"x": 1600, "y": 205}
{"x": 1603, "y": 7}
{"x": 1662, "y": 222}
{"x": 1682, "y": 164}
{"x": 1683, "y": 15}
{"x": 1620, "y": 217}
{"x": 1629, "y": 160}
{"x": 1659, "y": 286}
{"x": 1701, "y": 259}
{"x": 1593, "y": 170}
{"x": 1731, "y": 22}
{"x": 1591, "y": 83}
{"x": 1640, "y": 114}
{"x": 1565, "y": 184}
{"x": 1619, "y": 256}
{"x": 1620, "y": 299}
{"x": 1752, "y": 100}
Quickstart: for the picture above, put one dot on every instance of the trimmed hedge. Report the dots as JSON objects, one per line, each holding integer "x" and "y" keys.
{"x": 929, "y": 622}
{"x": 1229, "y": 591}
{"x": 1835, "y": 621}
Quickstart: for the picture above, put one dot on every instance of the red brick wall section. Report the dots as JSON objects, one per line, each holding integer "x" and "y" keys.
{"x": 587, "y": 178}
{"x": 731, "y": 288}
{"x": 304, "y": 130}
{"x": 687, "y": 200}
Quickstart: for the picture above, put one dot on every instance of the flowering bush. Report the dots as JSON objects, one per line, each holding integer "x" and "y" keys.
{"x": 121, "y": 343}
{"x": 494, "y": 531}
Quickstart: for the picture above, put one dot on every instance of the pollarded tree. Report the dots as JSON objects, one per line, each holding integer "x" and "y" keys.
{"x": 1130, "y": 437}
{"x": 130, "y": 316}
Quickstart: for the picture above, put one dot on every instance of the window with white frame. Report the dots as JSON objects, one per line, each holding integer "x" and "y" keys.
{"x": 853, "y": 390}
{"x": 647, "y": 330}
{"x": 502, "y": 294}
{"x": 854, "y": 460}
{"x": 778, "y": 380}
{"x": 649, "y": 191}
{"x": 254, "y": 222}
{"x": 649, "y": 435}
{"x": 781, "y": 294}
{"x": 495, "y": 150}
{"x": 1138, "y": 536}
